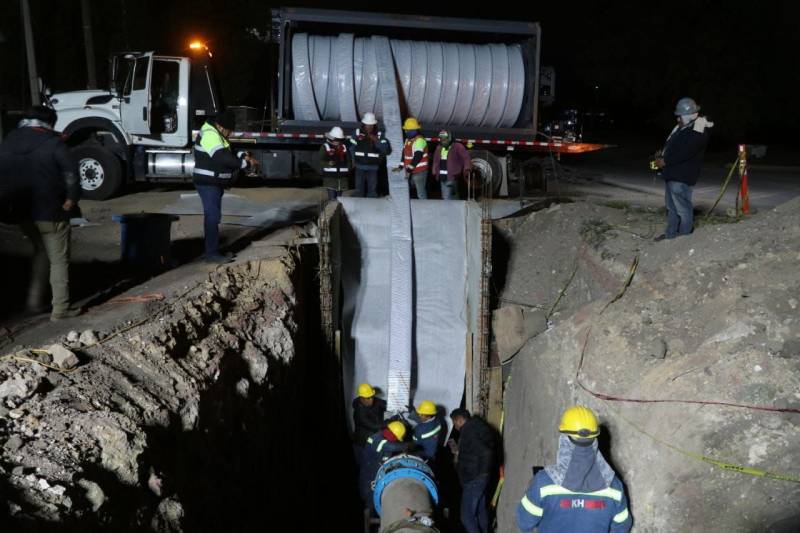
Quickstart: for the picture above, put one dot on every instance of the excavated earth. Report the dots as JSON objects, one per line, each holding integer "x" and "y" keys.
{"x": 710, "y": 317}
{"x": 217, "y": 414}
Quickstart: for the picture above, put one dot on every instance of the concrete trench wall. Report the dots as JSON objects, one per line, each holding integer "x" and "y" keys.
{"x": 216, "y": 416}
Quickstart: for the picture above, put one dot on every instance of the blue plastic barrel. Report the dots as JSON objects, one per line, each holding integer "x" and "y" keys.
{"x": 145, "y": 239}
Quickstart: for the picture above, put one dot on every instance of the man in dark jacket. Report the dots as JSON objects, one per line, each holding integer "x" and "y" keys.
{"x": 215, "y": 169}
{"x": 367, "y": 148}
{"x": 451, "y": 165}
{"x": 44, "y": 179}
{"x": 580, "y": 492}
{"x": 680, "y": 162}
{"x": 475, "y": 461}
{"x": 368, "y": 411}
{"x": 379, "y": 447}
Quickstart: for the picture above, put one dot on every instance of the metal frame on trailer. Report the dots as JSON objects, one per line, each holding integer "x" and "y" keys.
{"x": 284, "y": 20}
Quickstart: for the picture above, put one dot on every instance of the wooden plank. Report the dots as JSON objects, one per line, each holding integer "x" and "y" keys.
{"x": 495, "y": 403}
{"x": 469, "y": 399}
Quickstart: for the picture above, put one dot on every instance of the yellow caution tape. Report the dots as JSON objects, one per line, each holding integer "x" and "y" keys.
{"x": 704, "y": 458}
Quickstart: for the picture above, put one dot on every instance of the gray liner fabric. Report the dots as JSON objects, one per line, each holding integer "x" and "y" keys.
{"x": 401, "y": 312}
{"x": 456, "y": 84}
{"x": 445, "y": 292}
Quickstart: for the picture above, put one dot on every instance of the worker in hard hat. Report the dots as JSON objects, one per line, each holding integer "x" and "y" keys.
{"x": 430, "y": 431}
{"x": 415, "y": 157}
{"x": 334, "y": 162}
{"x": 475, "y": 456}
{"x": 452, "y": 165}
{"x": 215, "y": 168}
{"x": 368, "y": 411}
{"x": 680, "y": 162}
{"x": 580, "y": 492}
{"x": 380, "y": 446}
{"x": 367, "y": 147}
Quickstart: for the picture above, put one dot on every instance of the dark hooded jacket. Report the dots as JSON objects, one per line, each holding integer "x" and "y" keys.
{"x": 38, "y": 174}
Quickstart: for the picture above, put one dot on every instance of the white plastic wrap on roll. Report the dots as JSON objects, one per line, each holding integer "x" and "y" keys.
{"x": 453, "y": 84}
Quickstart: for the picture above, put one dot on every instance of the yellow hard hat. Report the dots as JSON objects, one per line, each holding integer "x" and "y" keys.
{"x": 427, "y": 407}
{"x": 579, "y": 421}
{"x": 398, "y": 429}
{"x": 365, "y": 390}
{"x": 411, "y": 124}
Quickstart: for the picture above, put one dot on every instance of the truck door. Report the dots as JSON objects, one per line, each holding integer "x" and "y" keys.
{"x": 136, "y": 98}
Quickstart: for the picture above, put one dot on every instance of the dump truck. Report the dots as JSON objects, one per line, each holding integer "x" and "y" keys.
{"x": 476, "y": 77}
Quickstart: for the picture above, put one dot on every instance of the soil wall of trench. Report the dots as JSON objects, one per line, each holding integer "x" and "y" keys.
{"x": 222, "y": 413}
{"x": 711, "y": 317}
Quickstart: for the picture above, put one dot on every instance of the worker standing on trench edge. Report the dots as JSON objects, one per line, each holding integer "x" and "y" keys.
{"x": 367, "y": 147}
{"x": 380, "y": 446}
{"x": 368, "y": 411}
{"x": 452, "y": 165}
{"x": 680, "y": 162}
{"x": 429, "y": 432}
{"x": 416, "y": 157}
{"x": 215, "y": 169}
{"x": 580, "y": 492}
{"x": 475, "y": 457}
{"x": 40, "y": 179}
{"x": 334, "y": 162}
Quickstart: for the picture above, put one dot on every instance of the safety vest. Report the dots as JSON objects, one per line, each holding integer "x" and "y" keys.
{"x": 209, "y": 141}
{"x": 443, "y": 161}
{"x": 417, "y": 144}
{"x": 427, "y": 435}
{"x": 334, "y": 159}
{"x": 366, "y": 152}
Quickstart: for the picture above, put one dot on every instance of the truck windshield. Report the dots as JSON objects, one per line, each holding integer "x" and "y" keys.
{"x": 122, "y": 73}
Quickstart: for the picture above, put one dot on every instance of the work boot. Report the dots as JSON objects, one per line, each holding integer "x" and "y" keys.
{"x": 218, "y": 259}
{"x": 660, "y": 237}
{"x": 68, "y": 313}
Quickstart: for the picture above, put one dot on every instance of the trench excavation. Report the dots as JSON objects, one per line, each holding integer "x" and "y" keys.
{"x": 226, "y": 410}
{"x": 220, "y": 414}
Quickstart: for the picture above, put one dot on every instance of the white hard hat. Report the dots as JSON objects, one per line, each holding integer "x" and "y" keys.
{"x": 369, "y": 119}
{"x": 335, "y": 133}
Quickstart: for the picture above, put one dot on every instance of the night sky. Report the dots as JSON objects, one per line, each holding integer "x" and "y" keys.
{"x": 739, "y": 60}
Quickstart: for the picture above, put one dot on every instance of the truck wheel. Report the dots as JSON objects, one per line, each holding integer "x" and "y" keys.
{"x": 99, "y": 170}
{"x": 488, "y": 167}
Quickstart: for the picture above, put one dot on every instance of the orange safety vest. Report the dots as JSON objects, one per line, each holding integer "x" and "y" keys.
{"x": 408, "y": 155}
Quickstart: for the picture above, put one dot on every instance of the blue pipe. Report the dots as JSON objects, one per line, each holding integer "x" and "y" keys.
{"x": 403, "y": 467}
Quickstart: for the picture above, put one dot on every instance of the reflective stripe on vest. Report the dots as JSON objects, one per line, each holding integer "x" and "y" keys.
{"x": 431, "y": 433}
{"x": 335, "y": 169}
{"x": 408, "y": 153}
{"x": 210, "y": 140}
{"x": 558, "y": 490}
{"x": 204, "y": 172}
{"x": 621, "y": 517}
{"x": 531, "y": 507}
{"x": 443, "y": 161}
{"x": 381, "y": 445}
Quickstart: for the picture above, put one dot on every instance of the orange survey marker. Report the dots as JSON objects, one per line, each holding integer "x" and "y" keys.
{"x": 744, "y": 192}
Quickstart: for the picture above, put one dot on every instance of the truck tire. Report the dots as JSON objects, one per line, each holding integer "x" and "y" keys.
{"x": 99, "y": 170}
{"x": 488, "y": 167}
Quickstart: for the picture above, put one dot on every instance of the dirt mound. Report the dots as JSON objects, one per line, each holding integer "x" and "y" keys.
{"x": 710, "y": 317}
{"x": 179, "y": 424}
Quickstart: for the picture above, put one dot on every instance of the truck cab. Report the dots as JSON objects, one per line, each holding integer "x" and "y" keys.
{"x": 148, "y": 113}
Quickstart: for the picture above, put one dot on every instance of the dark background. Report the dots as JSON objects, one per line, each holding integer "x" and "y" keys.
{"x": 631, "y": 59}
